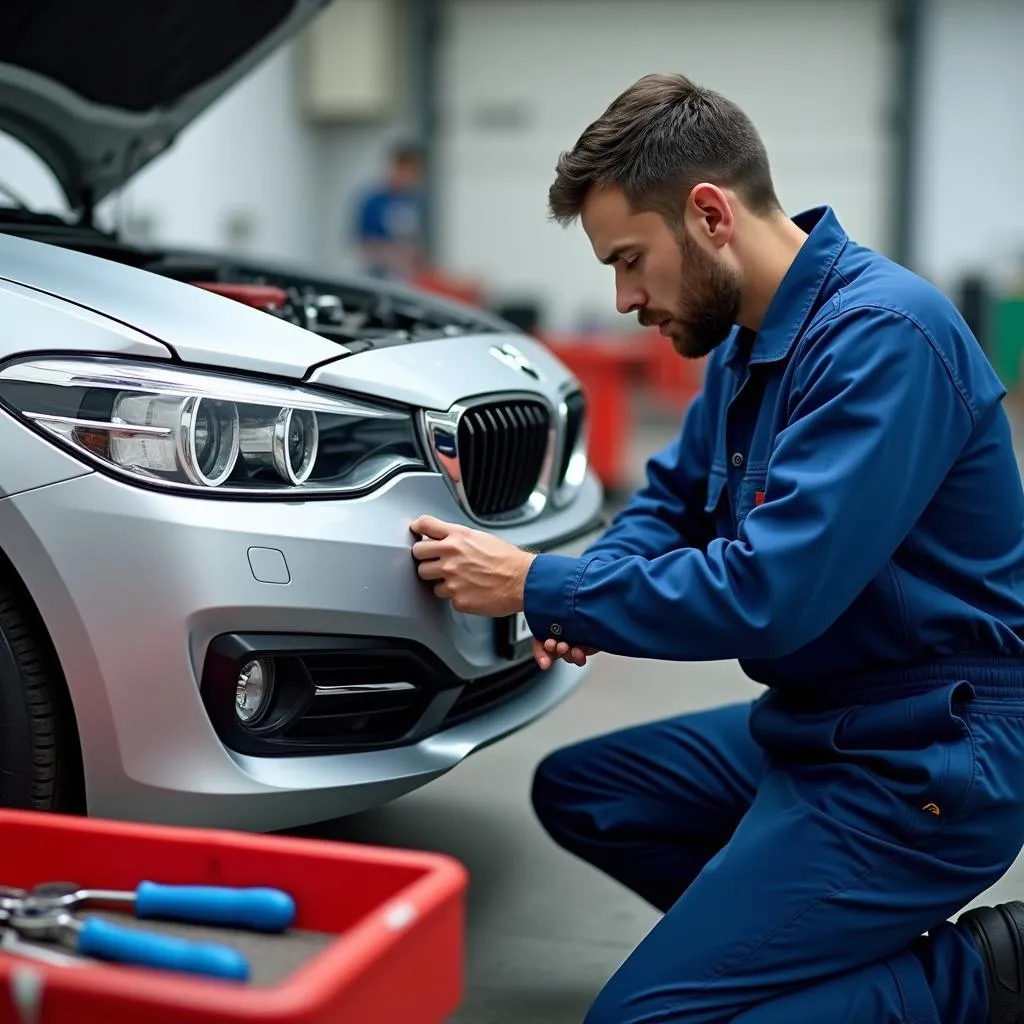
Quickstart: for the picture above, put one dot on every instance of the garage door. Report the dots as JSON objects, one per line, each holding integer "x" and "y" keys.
{"x": 522, "y": 78}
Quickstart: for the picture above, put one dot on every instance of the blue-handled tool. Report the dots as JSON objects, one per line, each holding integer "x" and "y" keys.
{"x": 258, "y": 909}
{"x": 95, "y": 937}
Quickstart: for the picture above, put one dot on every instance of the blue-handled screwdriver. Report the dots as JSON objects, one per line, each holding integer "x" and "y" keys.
{"x": 104, "y": 940}
{"x": 257, "y": 908}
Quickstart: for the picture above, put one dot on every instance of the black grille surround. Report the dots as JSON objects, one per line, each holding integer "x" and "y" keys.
{"x": 374, "y": 693}
{"x": 502, "y": 447}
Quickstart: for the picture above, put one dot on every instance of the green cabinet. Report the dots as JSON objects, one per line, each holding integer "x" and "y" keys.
{"x": 1007, "y": 339}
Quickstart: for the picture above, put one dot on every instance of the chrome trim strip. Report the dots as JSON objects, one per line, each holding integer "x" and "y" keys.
{"x": 576, "y": 471}
{"x": 106, "y": 425}
{"x": 351, "y": 688}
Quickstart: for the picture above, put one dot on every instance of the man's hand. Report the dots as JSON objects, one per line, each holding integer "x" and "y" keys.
{"x": 546, "y": 652}
{"x": 476, "y": 571}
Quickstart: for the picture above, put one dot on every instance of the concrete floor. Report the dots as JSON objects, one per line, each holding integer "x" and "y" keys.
{"x": 545, "y": 931}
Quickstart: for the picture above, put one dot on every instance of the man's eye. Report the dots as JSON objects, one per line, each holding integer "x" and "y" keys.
{"x": 631, "y": 263}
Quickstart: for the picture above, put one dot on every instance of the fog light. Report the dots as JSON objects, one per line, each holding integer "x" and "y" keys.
{"x": 253, "y": 691}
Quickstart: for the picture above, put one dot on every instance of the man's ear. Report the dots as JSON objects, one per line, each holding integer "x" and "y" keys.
{"x": 708, "y": 214}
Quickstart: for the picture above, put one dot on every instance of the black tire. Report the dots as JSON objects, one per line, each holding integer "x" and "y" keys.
{"x": 40, "y": 759}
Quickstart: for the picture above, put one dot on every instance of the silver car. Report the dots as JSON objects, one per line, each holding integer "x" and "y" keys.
{"x": 209, "y": 611}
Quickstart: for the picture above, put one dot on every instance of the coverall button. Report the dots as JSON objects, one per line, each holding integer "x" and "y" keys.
{"x": 737, "y": 459}
{"x": 555, "y": 629}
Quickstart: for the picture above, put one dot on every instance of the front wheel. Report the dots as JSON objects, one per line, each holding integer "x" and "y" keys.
{"x": 40, "y": 763}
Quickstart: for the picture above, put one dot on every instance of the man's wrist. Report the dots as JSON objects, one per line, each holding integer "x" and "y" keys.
{"x": 525, "y": 564}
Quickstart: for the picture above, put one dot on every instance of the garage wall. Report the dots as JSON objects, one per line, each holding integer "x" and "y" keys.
{"x": 239, "y": 175}
{"x": 522, "y": 78}
{"x": 236, "y": 177}
{"x": 254, "y": 175}
{"x": 251, "y": 174}
{"x": 970, "y": 189}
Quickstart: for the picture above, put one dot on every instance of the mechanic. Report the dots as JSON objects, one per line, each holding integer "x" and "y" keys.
{"x": 389, "y": 218}
{"x": 842, "y": 512}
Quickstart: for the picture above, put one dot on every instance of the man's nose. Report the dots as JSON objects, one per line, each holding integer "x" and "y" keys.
{"x": 628, "y": 300}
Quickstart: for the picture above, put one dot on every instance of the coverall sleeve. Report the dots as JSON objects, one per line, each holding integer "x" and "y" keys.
{"x": 875, "y": 423}
{"x": 668, "y": 512}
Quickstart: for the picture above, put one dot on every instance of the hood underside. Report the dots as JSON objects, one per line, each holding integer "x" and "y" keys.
{"x": 99, "y": 89}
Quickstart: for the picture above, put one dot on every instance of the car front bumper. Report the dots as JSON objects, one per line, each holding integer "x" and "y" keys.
{"x": 135, "y": 585}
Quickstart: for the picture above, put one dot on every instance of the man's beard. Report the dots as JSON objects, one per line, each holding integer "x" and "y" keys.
{"x": 708, "y": 304}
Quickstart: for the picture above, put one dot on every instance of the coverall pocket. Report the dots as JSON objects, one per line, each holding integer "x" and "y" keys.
{"x": 751, "y": 492}
{"x": 919, "y": 753}
{"x": 716, "y": 484}
{"x": 717, "y": 505}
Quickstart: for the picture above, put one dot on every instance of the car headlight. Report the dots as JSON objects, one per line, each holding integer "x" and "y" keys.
{"x": 209, "y": 432}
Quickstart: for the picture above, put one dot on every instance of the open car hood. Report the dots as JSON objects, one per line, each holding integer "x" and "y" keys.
{"x": 98, "y": 89}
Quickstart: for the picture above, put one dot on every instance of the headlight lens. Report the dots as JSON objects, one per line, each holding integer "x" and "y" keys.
{"x": 207, "y": 432}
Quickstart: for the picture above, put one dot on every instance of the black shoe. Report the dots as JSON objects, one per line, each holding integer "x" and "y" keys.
{"x": 998, "y": 933}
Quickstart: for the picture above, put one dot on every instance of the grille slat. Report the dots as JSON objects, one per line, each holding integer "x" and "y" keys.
{"x": 520, "y": 449}
{"x": 492, "y": 437}
{"x": 506, "y": 448}
{"x": 521, "y": 468}
{"x": 538, "y": 447}
{"x": 501, "y": 451}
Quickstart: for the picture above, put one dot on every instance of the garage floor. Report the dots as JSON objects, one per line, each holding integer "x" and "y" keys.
{"x": 546, "y": 931}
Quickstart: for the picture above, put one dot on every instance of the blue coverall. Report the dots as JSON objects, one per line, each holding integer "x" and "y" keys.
{"x": 842, "y": 512}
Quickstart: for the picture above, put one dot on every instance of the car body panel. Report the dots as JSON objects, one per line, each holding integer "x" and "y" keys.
{"x": 26, "y": 467}
{"x": 137, "y": 585}
{"x": 179, "y": 577}
{"x": 35, "y": 320}
{"x": 440, "y": 373}
{"x": 196, "y": 325}
{"x": 32, "y": 319}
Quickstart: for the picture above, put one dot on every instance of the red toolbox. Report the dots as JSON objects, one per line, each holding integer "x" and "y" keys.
{"x": 390, "y": 925}
{"x": 605, "y": 365}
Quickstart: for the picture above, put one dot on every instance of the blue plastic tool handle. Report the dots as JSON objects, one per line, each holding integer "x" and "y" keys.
{"x": 105, "y": 941}
{"x": 261, "y": 909}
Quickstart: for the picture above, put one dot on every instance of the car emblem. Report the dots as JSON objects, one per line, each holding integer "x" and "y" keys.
{"x": 512, "y": 357}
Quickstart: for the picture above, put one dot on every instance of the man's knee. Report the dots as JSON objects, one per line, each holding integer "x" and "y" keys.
{"x": 569, "y": 785}
{"x": 555, "y": 793}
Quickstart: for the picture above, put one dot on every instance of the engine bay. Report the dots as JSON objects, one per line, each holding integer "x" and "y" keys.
{"x": 357, "y": 313}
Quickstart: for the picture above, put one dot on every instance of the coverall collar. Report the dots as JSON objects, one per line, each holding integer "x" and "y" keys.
{"x": 797, "y": 294}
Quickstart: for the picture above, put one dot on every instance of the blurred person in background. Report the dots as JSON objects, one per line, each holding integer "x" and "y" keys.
{"x": 389, "y": 218}
{"x": 841, "y": 512}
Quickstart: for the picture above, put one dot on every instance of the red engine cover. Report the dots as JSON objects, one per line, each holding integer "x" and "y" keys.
{"x": 261, "y": 296}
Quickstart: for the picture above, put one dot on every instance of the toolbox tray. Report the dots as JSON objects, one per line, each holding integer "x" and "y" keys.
{"x": 381, "y": 930}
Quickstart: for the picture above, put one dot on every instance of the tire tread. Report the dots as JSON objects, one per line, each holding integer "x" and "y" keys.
{"x": 34, "y": 658}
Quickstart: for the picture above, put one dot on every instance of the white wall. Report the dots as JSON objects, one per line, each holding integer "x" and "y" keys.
{"x": 970, "y": 186}
{"x": 253, "y": 156}
{"x": 522, "y": 78}
{"x": 28, "y": 177}
{"x": 247, "y": 160}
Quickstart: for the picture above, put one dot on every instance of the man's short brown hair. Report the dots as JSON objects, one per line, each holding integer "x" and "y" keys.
{"x": 658, "y": 139}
